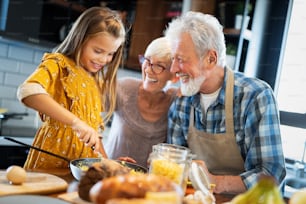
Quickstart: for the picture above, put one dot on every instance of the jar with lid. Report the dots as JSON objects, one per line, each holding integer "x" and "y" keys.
{"x": 172, "y": 161}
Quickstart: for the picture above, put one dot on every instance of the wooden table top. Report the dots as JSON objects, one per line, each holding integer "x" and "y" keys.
{"x": 68, "y": 177}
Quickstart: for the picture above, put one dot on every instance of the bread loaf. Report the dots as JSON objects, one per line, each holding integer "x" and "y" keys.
{"x": 131, "y": 186}
{"x": 98, "y": 171}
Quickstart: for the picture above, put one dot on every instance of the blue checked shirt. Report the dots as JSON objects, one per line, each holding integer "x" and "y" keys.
{"x": 256, "y": 121}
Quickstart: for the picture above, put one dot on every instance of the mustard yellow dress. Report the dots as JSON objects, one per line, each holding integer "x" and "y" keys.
{"x": 76, "y": 90}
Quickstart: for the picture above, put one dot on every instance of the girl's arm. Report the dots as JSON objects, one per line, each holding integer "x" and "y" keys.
{"x": 46, "y": 105}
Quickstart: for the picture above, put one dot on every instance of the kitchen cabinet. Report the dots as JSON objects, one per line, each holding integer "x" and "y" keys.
{"x": 151, "y": 17}
{"x": 12, "y": 155}
{"x": 150, "y": 23}
{"x": 38, "y": 22}
{"x": 237, "y": 37}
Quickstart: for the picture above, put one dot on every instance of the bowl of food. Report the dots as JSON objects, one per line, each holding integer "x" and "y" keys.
{"x": 79, "y": 167}
{"x": 134, "y": 167}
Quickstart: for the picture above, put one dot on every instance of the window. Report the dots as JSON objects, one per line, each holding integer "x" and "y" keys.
{"x": 291, "y": 93}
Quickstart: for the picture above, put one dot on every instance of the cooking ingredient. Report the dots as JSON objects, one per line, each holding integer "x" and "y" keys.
{"x": 97, "y": 172}
{"x": 264, "y": 191}
{"x": 200, "y": 197}
{"x": 168, "y": 169}
{"x": 16, "y": 175}
{"x": 131, "y": 186}
{"x": 299, "y": 197}
{"x": 170, "y": 196}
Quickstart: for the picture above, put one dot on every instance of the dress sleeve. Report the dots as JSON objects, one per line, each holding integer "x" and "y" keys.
{"x": 46, "y": 74}
{"x": 28, "y": 89}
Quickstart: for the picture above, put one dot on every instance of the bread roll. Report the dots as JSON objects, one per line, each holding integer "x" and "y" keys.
{"x": 137, "y": 201}
{"x": 98, "y": 171}
{"x": 131, "y": 186}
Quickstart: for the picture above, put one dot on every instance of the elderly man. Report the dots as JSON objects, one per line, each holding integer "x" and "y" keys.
{"x": 229, "y": 121}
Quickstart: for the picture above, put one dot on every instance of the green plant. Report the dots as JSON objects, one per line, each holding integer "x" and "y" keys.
{"x": 231, "y": 49}
{"x": 239, "y": 8}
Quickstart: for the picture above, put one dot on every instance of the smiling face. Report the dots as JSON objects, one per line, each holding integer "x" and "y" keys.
{"x": 156, "y": 82}
{"x": 187, "y": 65}
{"x": 98, "y": 51}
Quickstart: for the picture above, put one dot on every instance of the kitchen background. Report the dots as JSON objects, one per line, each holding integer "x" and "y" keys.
{"x": 19, "y": 57}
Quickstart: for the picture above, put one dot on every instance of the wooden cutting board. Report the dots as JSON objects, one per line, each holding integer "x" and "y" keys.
{"x": 36, "y": 183}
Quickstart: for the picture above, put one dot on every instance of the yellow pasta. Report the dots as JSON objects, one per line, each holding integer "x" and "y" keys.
{"x": 168, "y": 169}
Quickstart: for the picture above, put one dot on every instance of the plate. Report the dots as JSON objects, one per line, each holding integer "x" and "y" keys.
{"x": 30, "y": 199}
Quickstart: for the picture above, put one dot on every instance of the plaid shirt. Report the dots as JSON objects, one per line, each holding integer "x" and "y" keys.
{"x": 256, "y": 121}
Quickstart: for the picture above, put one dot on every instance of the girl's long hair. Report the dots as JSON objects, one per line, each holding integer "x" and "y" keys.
{"x": 91, "y": 22}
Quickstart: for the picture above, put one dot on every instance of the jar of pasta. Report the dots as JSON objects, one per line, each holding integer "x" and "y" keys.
{"x": 171, "y": 161}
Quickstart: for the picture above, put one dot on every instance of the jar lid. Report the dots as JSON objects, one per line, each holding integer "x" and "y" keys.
{"x": 199, "y": 178}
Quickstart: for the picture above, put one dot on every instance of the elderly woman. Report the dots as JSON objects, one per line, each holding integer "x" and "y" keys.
{"x": 140, "y": 117}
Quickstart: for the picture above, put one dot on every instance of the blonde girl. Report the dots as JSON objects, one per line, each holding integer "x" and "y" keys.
{"x": 69, "y": 87}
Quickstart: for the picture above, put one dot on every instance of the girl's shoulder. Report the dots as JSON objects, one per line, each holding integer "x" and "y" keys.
{"x": 59, "y": 59}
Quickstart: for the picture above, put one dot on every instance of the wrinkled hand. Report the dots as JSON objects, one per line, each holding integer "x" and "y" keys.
{"x": 87, "y": 134}
{"x": 127, "y": 159}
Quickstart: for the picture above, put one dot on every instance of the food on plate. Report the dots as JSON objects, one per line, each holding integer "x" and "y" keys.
{"x": 199, "y": 197}
{"x": 16, "y": 175}
{"x": 298, "y": 197}
{"x": 131, "y": 186}
{"x": 264, "y": 191}
{"x": 168, "y": 197}
{"x": 98, "y": 171}
{"x": 135, "y": 168}
{"x": 136, "y": 201}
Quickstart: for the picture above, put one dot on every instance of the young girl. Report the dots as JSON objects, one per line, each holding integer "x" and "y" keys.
{"x": 69, "y": 87}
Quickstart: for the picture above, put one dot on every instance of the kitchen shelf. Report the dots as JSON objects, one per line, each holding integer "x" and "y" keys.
{"x": 240, "y": 38}
{"x": 71, "y": 5}
{"x": 232, "y": 32}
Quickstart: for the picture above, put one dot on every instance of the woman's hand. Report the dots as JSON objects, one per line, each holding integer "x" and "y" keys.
{"x": 127, "y": 159}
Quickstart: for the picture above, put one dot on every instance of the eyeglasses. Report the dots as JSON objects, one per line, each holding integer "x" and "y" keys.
{"x": 155, "y": 68}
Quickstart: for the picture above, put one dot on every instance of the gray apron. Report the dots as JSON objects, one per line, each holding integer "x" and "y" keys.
{"x": 220, "y": 152}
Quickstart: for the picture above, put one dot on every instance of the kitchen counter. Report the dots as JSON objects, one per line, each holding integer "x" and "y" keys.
{"x": 67, "y": 176}
{"x": 70, "y": 194}
{"x": 12, "y": 153}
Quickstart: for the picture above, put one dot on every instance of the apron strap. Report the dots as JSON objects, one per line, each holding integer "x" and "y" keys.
{"x": 229, "y": 98}
{"x": 229, "y": 94}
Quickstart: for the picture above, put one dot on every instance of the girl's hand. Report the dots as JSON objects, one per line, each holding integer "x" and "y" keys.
{"x": 87, "y": 134}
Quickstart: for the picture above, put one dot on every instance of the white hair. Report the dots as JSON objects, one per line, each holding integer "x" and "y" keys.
{"x": 159, "y": 47}
{"x": 205, "y": 30}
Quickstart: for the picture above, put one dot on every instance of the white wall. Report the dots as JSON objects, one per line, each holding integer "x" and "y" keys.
{"x": 17, "y": 61}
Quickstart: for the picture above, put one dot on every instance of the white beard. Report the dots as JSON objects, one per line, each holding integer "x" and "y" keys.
{"x": 192, "y": 87}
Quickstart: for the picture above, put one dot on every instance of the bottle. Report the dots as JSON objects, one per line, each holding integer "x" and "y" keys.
{"x": 172, "y": 161}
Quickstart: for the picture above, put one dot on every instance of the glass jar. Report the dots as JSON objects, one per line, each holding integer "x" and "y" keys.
{"x": 172, "y": 161}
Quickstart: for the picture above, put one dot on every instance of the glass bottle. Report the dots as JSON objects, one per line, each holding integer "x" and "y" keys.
{"x": 172, "y": 161}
